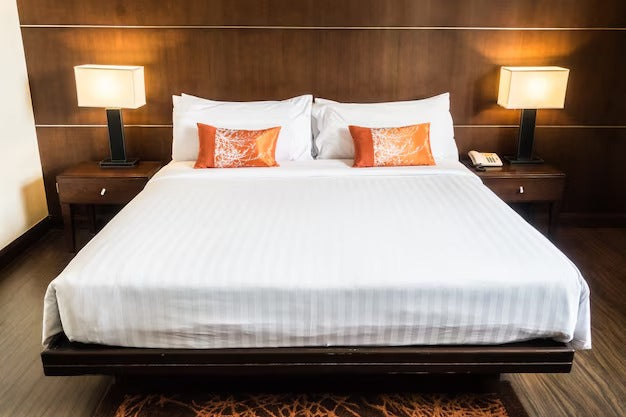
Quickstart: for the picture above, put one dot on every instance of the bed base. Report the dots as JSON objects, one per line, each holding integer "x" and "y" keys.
{"x": 63, "y": 357}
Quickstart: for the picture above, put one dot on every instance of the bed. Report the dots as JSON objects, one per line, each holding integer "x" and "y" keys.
{"x": 315, "y": 266}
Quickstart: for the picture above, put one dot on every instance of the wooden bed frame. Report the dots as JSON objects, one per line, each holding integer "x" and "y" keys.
{"x": 63, "y": 357}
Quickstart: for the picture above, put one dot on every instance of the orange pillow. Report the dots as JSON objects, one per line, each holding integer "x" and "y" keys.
{"x": 392, "y": 146}
{"x": 232, "y": 148}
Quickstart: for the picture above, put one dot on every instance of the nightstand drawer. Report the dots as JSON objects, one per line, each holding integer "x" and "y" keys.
{"x": 99, "y": 190}
{"x": 526, "y": 189}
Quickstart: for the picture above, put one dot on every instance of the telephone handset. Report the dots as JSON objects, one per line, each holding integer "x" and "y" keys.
{"x": 481, "y": 159}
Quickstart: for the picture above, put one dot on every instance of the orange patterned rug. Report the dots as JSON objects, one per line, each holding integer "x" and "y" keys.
{"x": 501, "y": 404}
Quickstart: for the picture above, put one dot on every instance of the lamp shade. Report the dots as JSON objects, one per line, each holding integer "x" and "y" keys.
{"x": 110, "y": 86}
{"x": 532, "y": 87}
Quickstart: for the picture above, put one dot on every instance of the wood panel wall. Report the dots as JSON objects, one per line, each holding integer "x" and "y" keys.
{"x": 349, "y": 50}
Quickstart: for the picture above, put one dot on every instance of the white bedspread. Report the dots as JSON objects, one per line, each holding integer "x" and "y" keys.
{"x": 317, "y": 253}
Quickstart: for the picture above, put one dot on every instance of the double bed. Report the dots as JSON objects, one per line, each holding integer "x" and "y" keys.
{"x": 316, "y": 266}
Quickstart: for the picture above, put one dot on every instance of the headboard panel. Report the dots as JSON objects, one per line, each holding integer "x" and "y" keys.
{"x": 349, "y": 50}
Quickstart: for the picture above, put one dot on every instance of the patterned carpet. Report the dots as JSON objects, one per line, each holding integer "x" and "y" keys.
{"x": 501, "y": 404}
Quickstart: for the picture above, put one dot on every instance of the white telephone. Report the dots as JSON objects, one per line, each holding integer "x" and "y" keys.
{"x": 481, "y": 159}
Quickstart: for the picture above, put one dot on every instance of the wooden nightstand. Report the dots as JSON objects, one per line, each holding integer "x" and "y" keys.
{"x": 526, "y": 184}
{"x": 87, "y": 183}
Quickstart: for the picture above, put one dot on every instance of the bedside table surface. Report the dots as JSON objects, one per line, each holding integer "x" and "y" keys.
{"x": 144, "y": 169}
{"x": 517, "y": 171}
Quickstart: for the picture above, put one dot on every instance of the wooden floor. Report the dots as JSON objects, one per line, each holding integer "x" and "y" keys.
{"x": 596, "y": 386}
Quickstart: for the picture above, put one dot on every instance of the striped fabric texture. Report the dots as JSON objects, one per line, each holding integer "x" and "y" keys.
{"x": 316, "y": 253}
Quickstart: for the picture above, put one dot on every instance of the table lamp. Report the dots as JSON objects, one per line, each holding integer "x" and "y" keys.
{"x": 114, "y": 87}
{"x": 529, "y": 89}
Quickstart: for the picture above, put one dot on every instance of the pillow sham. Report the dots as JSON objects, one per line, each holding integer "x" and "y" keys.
{"x": 235, "y": 148}
{"x": 392, "y": 146}
{"x": 293, "y": 115}
{"x": 331, "y": 120}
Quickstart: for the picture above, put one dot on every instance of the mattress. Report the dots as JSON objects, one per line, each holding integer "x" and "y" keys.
{"x": 316, "y": 253}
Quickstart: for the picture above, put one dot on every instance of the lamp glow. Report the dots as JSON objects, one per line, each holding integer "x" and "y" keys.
{"x": 110, "y": 86}
{"x": 532, "y": 87}
{"x": 529, "y": 89}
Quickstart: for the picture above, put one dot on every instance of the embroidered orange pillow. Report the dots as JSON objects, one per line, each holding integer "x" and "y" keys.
{"x": 392, "y": 146}
{"x": 233, "y": 148}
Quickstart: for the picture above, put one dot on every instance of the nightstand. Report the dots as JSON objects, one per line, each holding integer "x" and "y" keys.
{"x": 88, "y": 184}
{"x": 526, "y": 184}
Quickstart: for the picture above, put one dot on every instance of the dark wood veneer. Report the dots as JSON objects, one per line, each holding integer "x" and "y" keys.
{"x": 88, "y": 191}
{"x": 525, "y": 13}
{"x": 345, "y": 65}
{"x": 65, "y": 358}
{"x": 84, "y": 183}
{"x": 92, "y": 171}
{"x": 535, "y": 189}
{"x": 520, "y": 171}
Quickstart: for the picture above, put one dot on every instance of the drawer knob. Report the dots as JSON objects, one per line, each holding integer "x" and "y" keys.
{"x": 103, "y": 191}
{"x": 521, "y": 189}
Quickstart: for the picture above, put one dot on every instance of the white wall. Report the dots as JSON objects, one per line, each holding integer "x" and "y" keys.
{"x": 22, "y": 198}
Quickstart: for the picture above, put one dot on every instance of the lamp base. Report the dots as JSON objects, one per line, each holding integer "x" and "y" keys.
{"x": 127, "y": 163}
{"x": 513, "y": 160}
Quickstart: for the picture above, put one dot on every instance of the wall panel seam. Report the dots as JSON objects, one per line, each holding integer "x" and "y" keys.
{"x": 479, "y": 28}
{"x": 100, "y": 125}
{"x": 460, "y": 125}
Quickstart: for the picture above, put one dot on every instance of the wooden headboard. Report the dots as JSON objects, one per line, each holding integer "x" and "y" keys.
{"x": 350, "y": 50}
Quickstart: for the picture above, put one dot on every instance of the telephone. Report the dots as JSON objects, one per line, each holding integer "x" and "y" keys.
{"x": 481, "y": 159}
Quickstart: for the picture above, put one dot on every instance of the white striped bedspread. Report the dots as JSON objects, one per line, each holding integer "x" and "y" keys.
{"x": 317, "y": 253}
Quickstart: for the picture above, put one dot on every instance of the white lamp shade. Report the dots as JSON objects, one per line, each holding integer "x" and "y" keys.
{"x": 532, "y": 87}
{"x": 110, "y": 86}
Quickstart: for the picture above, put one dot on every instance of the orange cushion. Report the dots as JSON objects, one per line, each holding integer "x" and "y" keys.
{"x": 232, "y": 148}
{"x": 392, "y": 146}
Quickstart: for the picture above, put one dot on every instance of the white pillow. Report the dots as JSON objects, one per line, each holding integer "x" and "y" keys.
{"x": 292, "y": 115}
{"x": 331, "y": 120}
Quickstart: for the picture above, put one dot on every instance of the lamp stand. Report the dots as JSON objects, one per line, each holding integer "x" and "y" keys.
{"x": 525, "y": 140}
{"x": 116, "y": 142}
